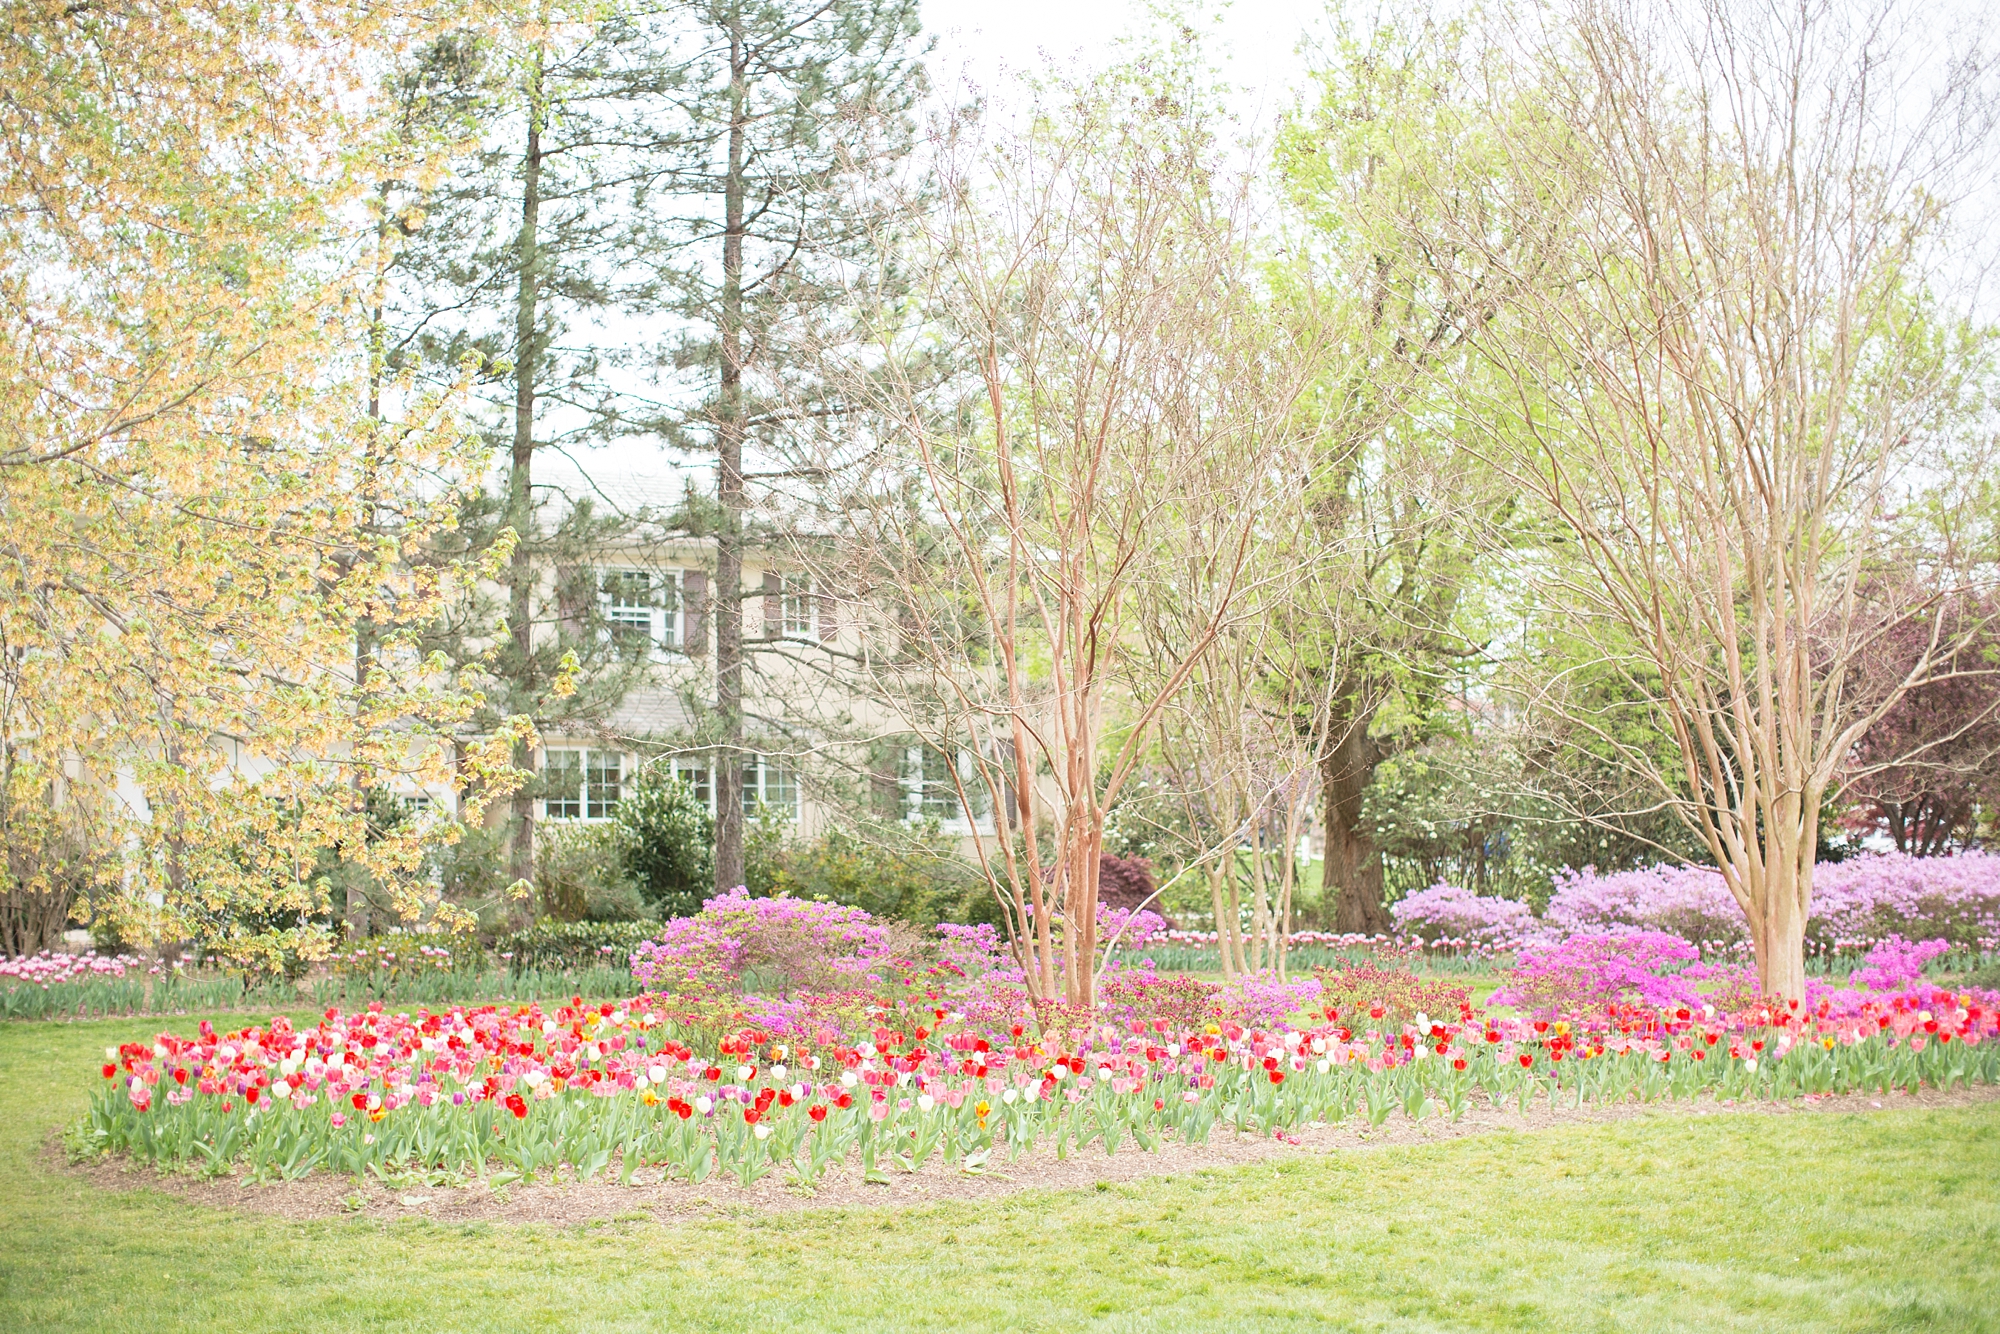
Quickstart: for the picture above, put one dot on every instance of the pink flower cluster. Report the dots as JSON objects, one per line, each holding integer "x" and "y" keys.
{"x": 1446, "y": 913}
{"x": 48, "y": 968}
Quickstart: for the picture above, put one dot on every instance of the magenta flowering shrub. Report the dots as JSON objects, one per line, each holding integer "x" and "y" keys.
{"x": 1446, "y": 913}
{"x": 794, "y": 944}
{"x": 1588, "y": 974}
{"x": 1128, "y": 928}
{"x": 971, "y": 951}
{"x": 1895, "y": 963}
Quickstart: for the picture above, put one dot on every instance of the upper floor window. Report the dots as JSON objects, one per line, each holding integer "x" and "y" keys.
{"x": 582, "y": 784}
{"x": 800, "y": 609}
{"x": 642, "y": 606}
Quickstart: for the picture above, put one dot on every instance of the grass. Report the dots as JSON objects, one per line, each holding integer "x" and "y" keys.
{"x": 1741, "y": 1222}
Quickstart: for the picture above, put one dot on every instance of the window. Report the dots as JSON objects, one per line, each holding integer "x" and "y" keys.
{"x": 799, "y": 607}
{"x": 930, "y": 788}
{"x": 582, "y": 784}
{"x": 694, "y": 773}
{"x": 769, "y": 782}
{"x": 642, "y": 606}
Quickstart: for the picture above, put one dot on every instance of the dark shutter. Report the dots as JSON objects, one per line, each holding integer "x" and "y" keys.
{"x": 694, "y": 612}
{"x": 774, "y": 606}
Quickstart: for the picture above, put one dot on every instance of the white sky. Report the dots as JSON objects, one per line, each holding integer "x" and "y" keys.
{"x": 982, "y": 42}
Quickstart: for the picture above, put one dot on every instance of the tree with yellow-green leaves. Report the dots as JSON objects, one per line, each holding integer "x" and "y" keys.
{"x": 207, "y": 488}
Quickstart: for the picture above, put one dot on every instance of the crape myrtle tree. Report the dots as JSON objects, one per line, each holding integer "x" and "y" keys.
{"x": 1742, "y": 395}
{"x": 1119, "y": 398}
{"x": 782, "y": 120}
{"x": 189, "y": 461}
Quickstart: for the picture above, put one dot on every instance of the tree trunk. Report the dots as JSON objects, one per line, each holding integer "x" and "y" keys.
{"x": 727, "y": 767}
{"x": 520, "y": 476}
{"x": 1353, "y": 863}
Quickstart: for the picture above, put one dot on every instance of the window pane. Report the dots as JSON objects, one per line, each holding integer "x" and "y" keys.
{"x": 562, "y": 773}
{"x": 799, "y": 606}
{"x": 601, "y": 784}
{"x": 781, "y": 787}
{"x": 696, "y": 777}
{"x": 629, "y": 602}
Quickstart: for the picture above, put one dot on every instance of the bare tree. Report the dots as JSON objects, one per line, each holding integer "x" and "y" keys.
{"x": 1740, "y": 394}
{"x": 1120, "y": 403}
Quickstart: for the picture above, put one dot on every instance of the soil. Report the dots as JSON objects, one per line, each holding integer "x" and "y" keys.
{"x": 671, "y": 1201}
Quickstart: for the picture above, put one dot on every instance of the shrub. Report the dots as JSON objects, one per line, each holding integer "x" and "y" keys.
{"x": 557, "y": 945}
{"x": 1446, "y": 912}
{"x": 793, "y": 944}
{"x": 1895, "y": 963}
{"x": 887, "y": 871}
{"x": 1366, "y": 992}
{"x": 1864, "y": 898}
{"x": 666, "y": 841}
{"x": 1587, "y": 974}
{"x": 581, "y": 876}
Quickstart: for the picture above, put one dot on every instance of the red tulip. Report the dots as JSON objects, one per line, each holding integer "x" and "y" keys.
{"x": 817, "y": 1112}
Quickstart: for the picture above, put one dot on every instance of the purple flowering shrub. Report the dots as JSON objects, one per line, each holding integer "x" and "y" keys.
{"x": 1130, "y": 929}
{"x": 1866, "y": 898}
{"x": 1691, "y": 902}
{"x": 1587, "y": 974}
{"x": 1895, "y": 963}
{"x": 1447, "y": 913}
{"x": 1955, "y": 899}
{"x": 796, "y": 944}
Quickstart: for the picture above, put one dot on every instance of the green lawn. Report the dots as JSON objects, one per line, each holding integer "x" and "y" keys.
{"x": 1744, "y": 1222}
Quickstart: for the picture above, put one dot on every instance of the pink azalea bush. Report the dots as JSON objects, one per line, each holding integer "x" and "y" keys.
{"x": 1445, "y": 912}
{"x": 1896, "y": 963}
{"x": 1860, "y": 900}
{"x": 1589, "y": 974}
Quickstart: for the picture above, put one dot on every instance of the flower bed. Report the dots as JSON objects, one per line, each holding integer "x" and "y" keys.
{"x": 649, "y": 1085}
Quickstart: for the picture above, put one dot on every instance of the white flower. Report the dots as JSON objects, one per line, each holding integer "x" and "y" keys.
{"x": 903, "y": 1080}
{"x": 704, "y": 1104}
{"x": 1319, "y": 1046}
{"x": 1751, "y": 1065}
{"x": 1031, "y": 1093}
{"x": 1008, "y": 1096}
{"x": 111, "y": 1053}
{"x": 812, "y": 1063}
{"x": 777, "y": 1072}
{"x": 762, "y": 1131}
{"x": 639, "y": 1081}
{"x": 1322, "y": 1065}
{"x": 1173, "y": 1049}
{"x": 1060, "y": 1072}
{"x": 1292, "y": 1040}
{"x": 1103, "y": 1074}
{"x": 281, "y": 1089}
{"x": 1423, "y": 1020}
{"x": 848, "y": 1079}
{"x": 657, "y": 1073}
{"x": 743, "y": 1073}
{"x": 925, "y": 1102}
{"x": 618, "y": 1016}
{"x": 548, "y": 1027}
{"x": 534, "y": 1078}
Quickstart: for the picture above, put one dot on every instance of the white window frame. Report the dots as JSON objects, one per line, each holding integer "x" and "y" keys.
{"x": 589, "y": 803}
{"x": 693, "y": 770}
{"x": 925, "y": 797}
{"x": 798, "y": 608}
{"x": 659, "y": 617}
{"x": 769, "y": 781}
